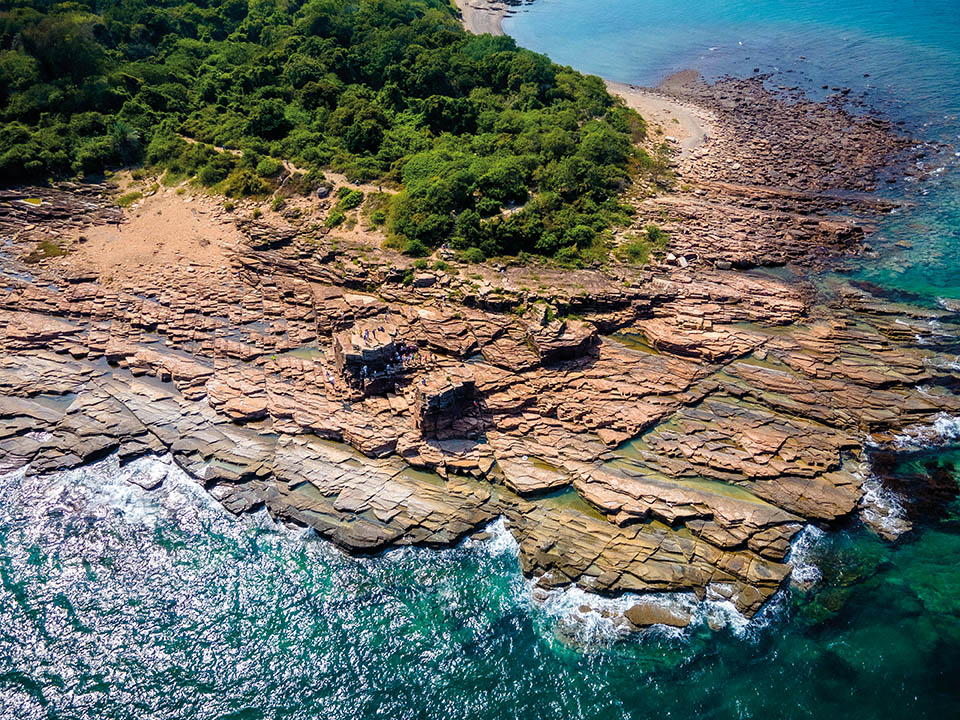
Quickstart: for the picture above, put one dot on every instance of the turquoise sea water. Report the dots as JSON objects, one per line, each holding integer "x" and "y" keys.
{"x": 121, "y": 603}
{"x": 901, "y": 58}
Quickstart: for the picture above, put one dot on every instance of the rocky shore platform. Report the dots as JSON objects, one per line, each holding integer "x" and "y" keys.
{"x": 666, "y": 428}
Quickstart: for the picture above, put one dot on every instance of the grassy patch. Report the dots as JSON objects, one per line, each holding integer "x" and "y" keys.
{"x": 45, "y": 249}
{"x": 376, "y": 208}
{"x": 172, "y": 179}
{"x": 128, "y": 199}
{"x": 639, "y": 248}
{"x": 335, "y": 218}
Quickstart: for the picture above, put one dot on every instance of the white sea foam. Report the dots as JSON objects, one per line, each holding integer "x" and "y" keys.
{"x": 805, "y": 571}
{"x": 949, "y": 304}
{"x": 501, "y": 540}
{"x": 948, "y": 428}
{"x": 594, "y": 621}
{"x": 943, "y": 363}
{"x": 944, "y": 429}
{"x": 590, "y": 620}
{"x": 881, "y": 508}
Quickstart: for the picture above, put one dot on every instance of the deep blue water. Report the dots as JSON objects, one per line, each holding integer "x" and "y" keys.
{"x": 121, "y": 603}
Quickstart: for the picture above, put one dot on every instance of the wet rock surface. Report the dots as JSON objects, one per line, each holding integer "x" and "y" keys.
{"x": 780, "y": 179}
{"x": 664, "y": 429}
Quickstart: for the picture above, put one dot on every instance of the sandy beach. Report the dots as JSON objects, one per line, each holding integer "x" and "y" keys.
{"x": 681, "y": 125}
{"x": 481, "y": 17}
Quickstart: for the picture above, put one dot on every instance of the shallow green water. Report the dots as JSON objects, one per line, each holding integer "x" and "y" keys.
{"x": 121, "y": 603}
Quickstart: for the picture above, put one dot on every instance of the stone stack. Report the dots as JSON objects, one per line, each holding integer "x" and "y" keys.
{"x": 367, "y": 356}
{"x": 441, "y": 400}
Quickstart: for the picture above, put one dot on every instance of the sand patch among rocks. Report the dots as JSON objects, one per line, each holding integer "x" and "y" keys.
{"x": 159, "y": 230}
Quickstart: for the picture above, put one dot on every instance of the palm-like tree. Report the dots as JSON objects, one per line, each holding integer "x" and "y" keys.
{"x": 126, "y": 140}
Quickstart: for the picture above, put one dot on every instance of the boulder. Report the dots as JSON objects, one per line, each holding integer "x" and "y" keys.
{"x": 645, "y": 614}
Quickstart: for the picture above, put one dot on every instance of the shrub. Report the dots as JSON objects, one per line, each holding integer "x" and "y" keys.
{"x": 415, "y": 248}
{"x": 637, "y": 252}
{"x": 397, "y": 90}
{"x": 639, "y": 249}
{"x": 128, "y": 199}
{"x": 656, "y": 236}
{"x": 473, "y": 255}
{"x": 349, "y": 199}
{"x": 568, "y": 256}
{"x": 268, "y": 167}
{"x": 243, "y": 183}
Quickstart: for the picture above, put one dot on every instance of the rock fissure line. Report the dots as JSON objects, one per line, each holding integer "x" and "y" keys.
{"x": 688, "y": 463}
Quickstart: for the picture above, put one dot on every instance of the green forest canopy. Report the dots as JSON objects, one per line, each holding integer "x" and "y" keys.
{"x": 377, "y": 89}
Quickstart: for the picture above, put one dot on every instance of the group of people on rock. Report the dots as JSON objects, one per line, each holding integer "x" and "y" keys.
{"x": 402, "y": 359}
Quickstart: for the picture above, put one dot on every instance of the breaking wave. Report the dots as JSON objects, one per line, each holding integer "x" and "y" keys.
{"x": 943, "y": 430}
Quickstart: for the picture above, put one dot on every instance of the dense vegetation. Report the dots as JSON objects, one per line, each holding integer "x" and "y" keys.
{"x": 497, "y": 149}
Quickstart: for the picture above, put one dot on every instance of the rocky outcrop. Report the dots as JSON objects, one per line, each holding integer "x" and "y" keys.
{"x": 646, "y": 614}
{"x": 441, "y": 400}
{"x": 555, "y": 340}
{"x": 560, "y": 546}
{"x": 683, "y": 450}
{"x": 37, "y": 211}
{"x": 716, "y": 512}
{"x": 368, "y": 356}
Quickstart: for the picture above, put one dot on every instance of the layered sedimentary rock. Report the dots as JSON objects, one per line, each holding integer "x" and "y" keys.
{"x": 368, "y": 356}
{"x": 555, "y": 340}
{"x": 442, "y": 399}
{"x": 670, "y": 428}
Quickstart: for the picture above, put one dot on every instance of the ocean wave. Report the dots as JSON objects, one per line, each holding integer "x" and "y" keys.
{"x": 585, "y": 619}
{"x": 944, "y": 429}
{"x": 805, "y": 572}
{"x": 500, "y": 541}
{"x": 111, "y": 496}
{"x": 880, "y": 508}
{"x": 944, "y": 364}
{"x": 594, "y": 622}
{"x": 950, "y": 304}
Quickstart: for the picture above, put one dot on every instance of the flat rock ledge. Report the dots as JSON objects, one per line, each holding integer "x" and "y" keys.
{"x": 670, "y": 429}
